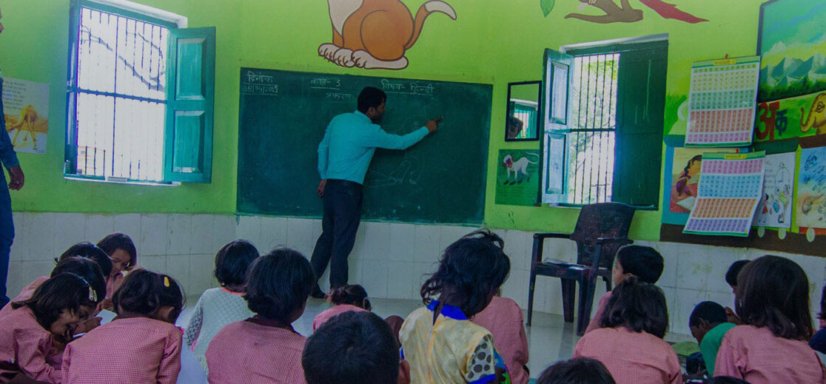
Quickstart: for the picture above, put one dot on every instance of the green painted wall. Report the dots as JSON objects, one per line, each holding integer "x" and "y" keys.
{"x": 34, "y": 47}
{"x": 492, "y": 41}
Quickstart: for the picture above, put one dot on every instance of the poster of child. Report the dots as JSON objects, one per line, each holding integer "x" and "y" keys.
{"x": 685, "y": 176}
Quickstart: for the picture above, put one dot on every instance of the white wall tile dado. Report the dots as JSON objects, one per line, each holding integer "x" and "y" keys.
{"x": 391, "y": 260}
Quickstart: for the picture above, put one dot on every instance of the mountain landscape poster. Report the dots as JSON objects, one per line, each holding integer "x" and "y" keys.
{"x": 792, "y": 90}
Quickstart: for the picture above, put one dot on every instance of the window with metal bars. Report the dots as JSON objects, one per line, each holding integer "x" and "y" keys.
{"x": 592, "y": 130}
{"x": 120, "y": 96}
{"x": 603, "y": 124}
{"x": 140, "y": 94}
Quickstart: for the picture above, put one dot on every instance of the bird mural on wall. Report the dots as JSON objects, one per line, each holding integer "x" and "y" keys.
{"x": 623, "y": 12}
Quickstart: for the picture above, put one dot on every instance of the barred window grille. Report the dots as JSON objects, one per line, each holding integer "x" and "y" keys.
{"x": 119, "y": 94}
{"x": 592, "y": 132}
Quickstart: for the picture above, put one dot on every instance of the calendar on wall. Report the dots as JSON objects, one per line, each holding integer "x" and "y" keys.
{"x": 731, "y": 186}
{"x": 722, "y": 102}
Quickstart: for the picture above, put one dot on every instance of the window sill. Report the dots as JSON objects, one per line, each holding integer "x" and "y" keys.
{"x": 636, "y": 207}
{"x": 115, "y": 180}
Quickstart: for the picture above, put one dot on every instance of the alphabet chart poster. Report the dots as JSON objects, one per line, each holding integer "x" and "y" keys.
{"x": 722, "y": 102}
{"x": 731, "y": 186}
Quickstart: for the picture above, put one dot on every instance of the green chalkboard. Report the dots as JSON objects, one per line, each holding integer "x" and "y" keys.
{"x": 283, "y": 116}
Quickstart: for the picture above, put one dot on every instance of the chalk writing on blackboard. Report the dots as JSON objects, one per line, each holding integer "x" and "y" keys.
{"x": 412, "y": 88}
{"x": 406, "y": 173}
{"x": 258, "y": 84}
{"x": 339, "y": 96}
{"x": 392, "y": 87}
{"x": 325, "y": 83}
{"x": 425, "y": 89}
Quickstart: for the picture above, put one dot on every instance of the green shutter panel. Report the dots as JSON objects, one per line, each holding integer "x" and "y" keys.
{"x": 191, "y": 99}
{"x": 640, "y": 110}
{"x": 557, "y": 78}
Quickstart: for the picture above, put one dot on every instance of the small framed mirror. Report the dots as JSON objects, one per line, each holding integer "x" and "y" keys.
{"x": 522, "y": 119}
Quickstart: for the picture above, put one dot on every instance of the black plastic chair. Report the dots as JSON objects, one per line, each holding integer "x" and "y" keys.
{"x": 601, "y": 230}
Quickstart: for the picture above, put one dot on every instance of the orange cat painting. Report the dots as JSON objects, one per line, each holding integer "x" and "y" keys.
{"x": 374, "y": 34}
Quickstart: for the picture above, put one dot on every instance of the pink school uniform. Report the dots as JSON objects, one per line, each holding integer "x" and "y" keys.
{"x": 631, "y": 357}
{"x": 127, "y": 350}
{"x": 757, "y": 356}
{"x": 26, "y": 293}
{"x": 603, "y": 302}
{"x": 503, "y": 318}
{"x": 26, "y": 347}
{"x": 252, "y": 351}
{"x": 329, "y": 313}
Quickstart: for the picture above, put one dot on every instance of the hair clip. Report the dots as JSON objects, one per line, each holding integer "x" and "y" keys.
{"x": 166, "y": 282}
{"x": 93, "y": 295}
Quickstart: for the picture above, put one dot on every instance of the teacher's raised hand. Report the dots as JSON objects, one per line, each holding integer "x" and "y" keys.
{"x": 433, "y": 124}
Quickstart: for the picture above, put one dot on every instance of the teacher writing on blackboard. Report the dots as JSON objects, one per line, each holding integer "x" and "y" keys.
{"x": 344, "y": 155}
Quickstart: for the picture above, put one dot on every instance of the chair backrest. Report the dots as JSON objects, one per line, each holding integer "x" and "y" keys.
{"x": 607, "y": 220}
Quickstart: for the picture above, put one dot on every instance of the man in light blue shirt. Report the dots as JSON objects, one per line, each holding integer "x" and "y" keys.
{"x": 343, "y": 158}
{"x": 9, "y": 159}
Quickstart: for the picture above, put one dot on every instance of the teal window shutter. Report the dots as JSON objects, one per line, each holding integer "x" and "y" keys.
{"x": 557, "y": 78}
{"x": 190, "y": 105}
{"x": 640, "y": 119}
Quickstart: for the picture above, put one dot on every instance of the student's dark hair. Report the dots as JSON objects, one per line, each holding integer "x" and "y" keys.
{"x": 145, "y": 292}
{"x": 351, "y": 294}
{"x": 709, "y": 311}
{"x": 471, "y": 270}
{"x": 733, "y": 270}
{"x": 351, "y": 348}
{"x": 726, "y": 380}
{"x": 580, "y": 370}
{"x": 87, "y": 269}
{"x": 115, "y": 241}
{"x": 773, "y": 292}
{"x": 232, "y": 262}
{"x": 638, "y": 306}
{"x": 65, "y": 291}
{"x": 644, "y": 262}
{"x": 88, "y": 250}
{"x": 279, "y": 284}
{"x": 370, "y": 97}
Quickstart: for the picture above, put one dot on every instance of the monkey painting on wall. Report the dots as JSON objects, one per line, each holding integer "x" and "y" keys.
{"x": 375, "y": 34}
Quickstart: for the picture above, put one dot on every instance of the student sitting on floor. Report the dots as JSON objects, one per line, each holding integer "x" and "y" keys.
{"x": 141, "y": 345}
{"x": 632, "y": 260}
{"x": 354, "y": 348}
{"x": 34, "y": 334}
{"x": 218, "y": 307}
{"x": 439, "y": 341}
{"x": 347, "y": 298}
{"x": 708, "y": 324}
{"x": 580, "y": 370}
{"x": 266, "y": 347}
{"x": 85, "y": 268}
{"x": 818, "y": 341}
{"x": 630, "y": 341}
{"x": 503, "y": 318}
{"x": 124, "y": 255}
{"x": 731, "y": 278}
{"x": 771, "y": 345}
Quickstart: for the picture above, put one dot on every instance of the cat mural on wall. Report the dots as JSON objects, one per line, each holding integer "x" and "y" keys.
{"x": 375, "y": 34}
